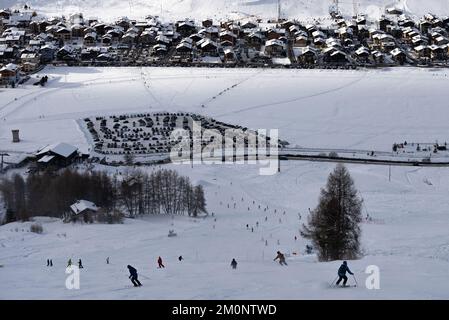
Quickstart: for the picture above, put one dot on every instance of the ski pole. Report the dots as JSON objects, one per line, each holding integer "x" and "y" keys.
{"x": 356, "y": 284}
{"x": 332, "y": 283}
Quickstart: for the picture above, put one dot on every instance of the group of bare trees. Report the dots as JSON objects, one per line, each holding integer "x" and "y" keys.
{"x": 136, "y": 193}
{"x": 161, "y": 192}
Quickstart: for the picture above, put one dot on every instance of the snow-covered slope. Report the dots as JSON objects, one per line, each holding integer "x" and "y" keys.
{"x": 408, "y": 238}
{"x": 223, "y": 8}
{"x": 408, "y": 241}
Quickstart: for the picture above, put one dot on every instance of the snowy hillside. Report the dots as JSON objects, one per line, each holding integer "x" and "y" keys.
{"x": 407, "y": 239}
{"x": 223, "y": 8}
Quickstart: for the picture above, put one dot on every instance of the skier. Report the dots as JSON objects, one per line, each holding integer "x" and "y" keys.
{"x": 80, "y": 264}
{"x": 69, "y": 264}
{"x": 342, "y": 273}
{"x": 133, "y": 276}
{"x": 281, "y": 258}
{"x": 48, "y": 262}
{"x": 180, "y": 258}
{"x": 160, "y": 264}
{"x": 107, "y": 260}
{"x": 51, "y": 262}
{"x": 234, "y": 264}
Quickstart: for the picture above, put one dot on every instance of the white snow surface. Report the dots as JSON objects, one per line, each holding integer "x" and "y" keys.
{"x": 218, "y": 9}
{"x": 407, "y": 240}
{"x": 363, "y": 109}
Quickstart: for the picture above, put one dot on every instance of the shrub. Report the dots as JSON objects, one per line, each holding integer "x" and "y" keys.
{"x": 36, "y": 228}
{"x": 333, "y": 154}
{"x": 114, "y": 217}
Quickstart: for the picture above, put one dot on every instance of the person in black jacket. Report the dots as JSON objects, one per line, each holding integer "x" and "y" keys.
{"x": 133, "y": 276}
{"x": 234, "y": 264}
{"x": 342, "y": 273}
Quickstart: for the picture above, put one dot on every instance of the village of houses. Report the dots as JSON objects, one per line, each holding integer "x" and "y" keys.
{"x": 29, "y": 41}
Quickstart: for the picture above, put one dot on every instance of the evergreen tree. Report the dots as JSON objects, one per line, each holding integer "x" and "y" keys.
{"x": 199, "y": 205}
{"x": 333, "y": 227}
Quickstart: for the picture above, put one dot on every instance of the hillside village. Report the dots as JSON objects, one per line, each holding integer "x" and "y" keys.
{"x": 28, "y": 41}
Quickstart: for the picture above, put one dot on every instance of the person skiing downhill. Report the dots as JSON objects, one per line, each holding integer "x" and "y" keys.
{"x": 342, "y": 273}
{"x": 133, "y": 276}
{"x": 281, "y": 258}
{"x": 234, "y": 264}
{"x": 69, "y": 263}
{"x": 160, "y": 264}
{"x": 80, "y": 264}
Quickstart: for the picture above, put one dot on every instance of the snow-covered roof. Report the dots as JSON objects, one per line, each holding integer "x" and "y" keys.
{"x": 82, "y": 205}
{"x": 91, "y": 35}
{"x": 227, "y": 33}
{"x": 396, "y": 52}
{"x": 10, "y": 67}
{"x": 184, "y": 45}
{"x": 46, "y": 159}
{"x": 421, "y": 47}
{"x": 362, "y": 50}
{"x": 209, "y": 42}
{"x": 274, "y": 42}
{"x": 62, "y": 149}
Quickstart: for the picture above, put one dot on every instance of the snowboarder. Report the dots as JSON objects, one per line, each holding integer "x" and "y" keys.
{"x": 160, "y": 264}
{"x": 180, "y": 258}
{"x": 133, "y": 276}
{"x": 69, "y": 263}
{"x": 80, "y": 264}
{"x": 234, "y": 264}
{"x": 342, "y": 273}
{"x": 281, "y": 258}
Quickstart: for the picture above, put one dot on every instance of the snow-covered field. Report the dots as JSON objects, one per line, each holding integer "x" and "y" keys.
{"x": 179, "y": 9}
{"x": 364, "y": 109}
{"x": 408, "y": 241}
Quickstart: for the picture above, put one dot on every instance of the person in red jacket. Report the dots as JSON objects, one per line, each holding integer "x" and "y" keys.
{"x": 159, "y": 262}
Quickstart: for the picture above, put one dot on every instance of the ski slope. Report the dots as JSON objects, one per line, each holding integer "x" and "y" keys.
{"x": 408, "y": 241}
{"x": 178, "y": 9}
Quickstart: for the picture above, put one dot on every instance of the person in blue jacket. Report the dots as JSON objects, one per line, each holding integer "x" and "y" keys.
{"x": 342, "y": 273}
